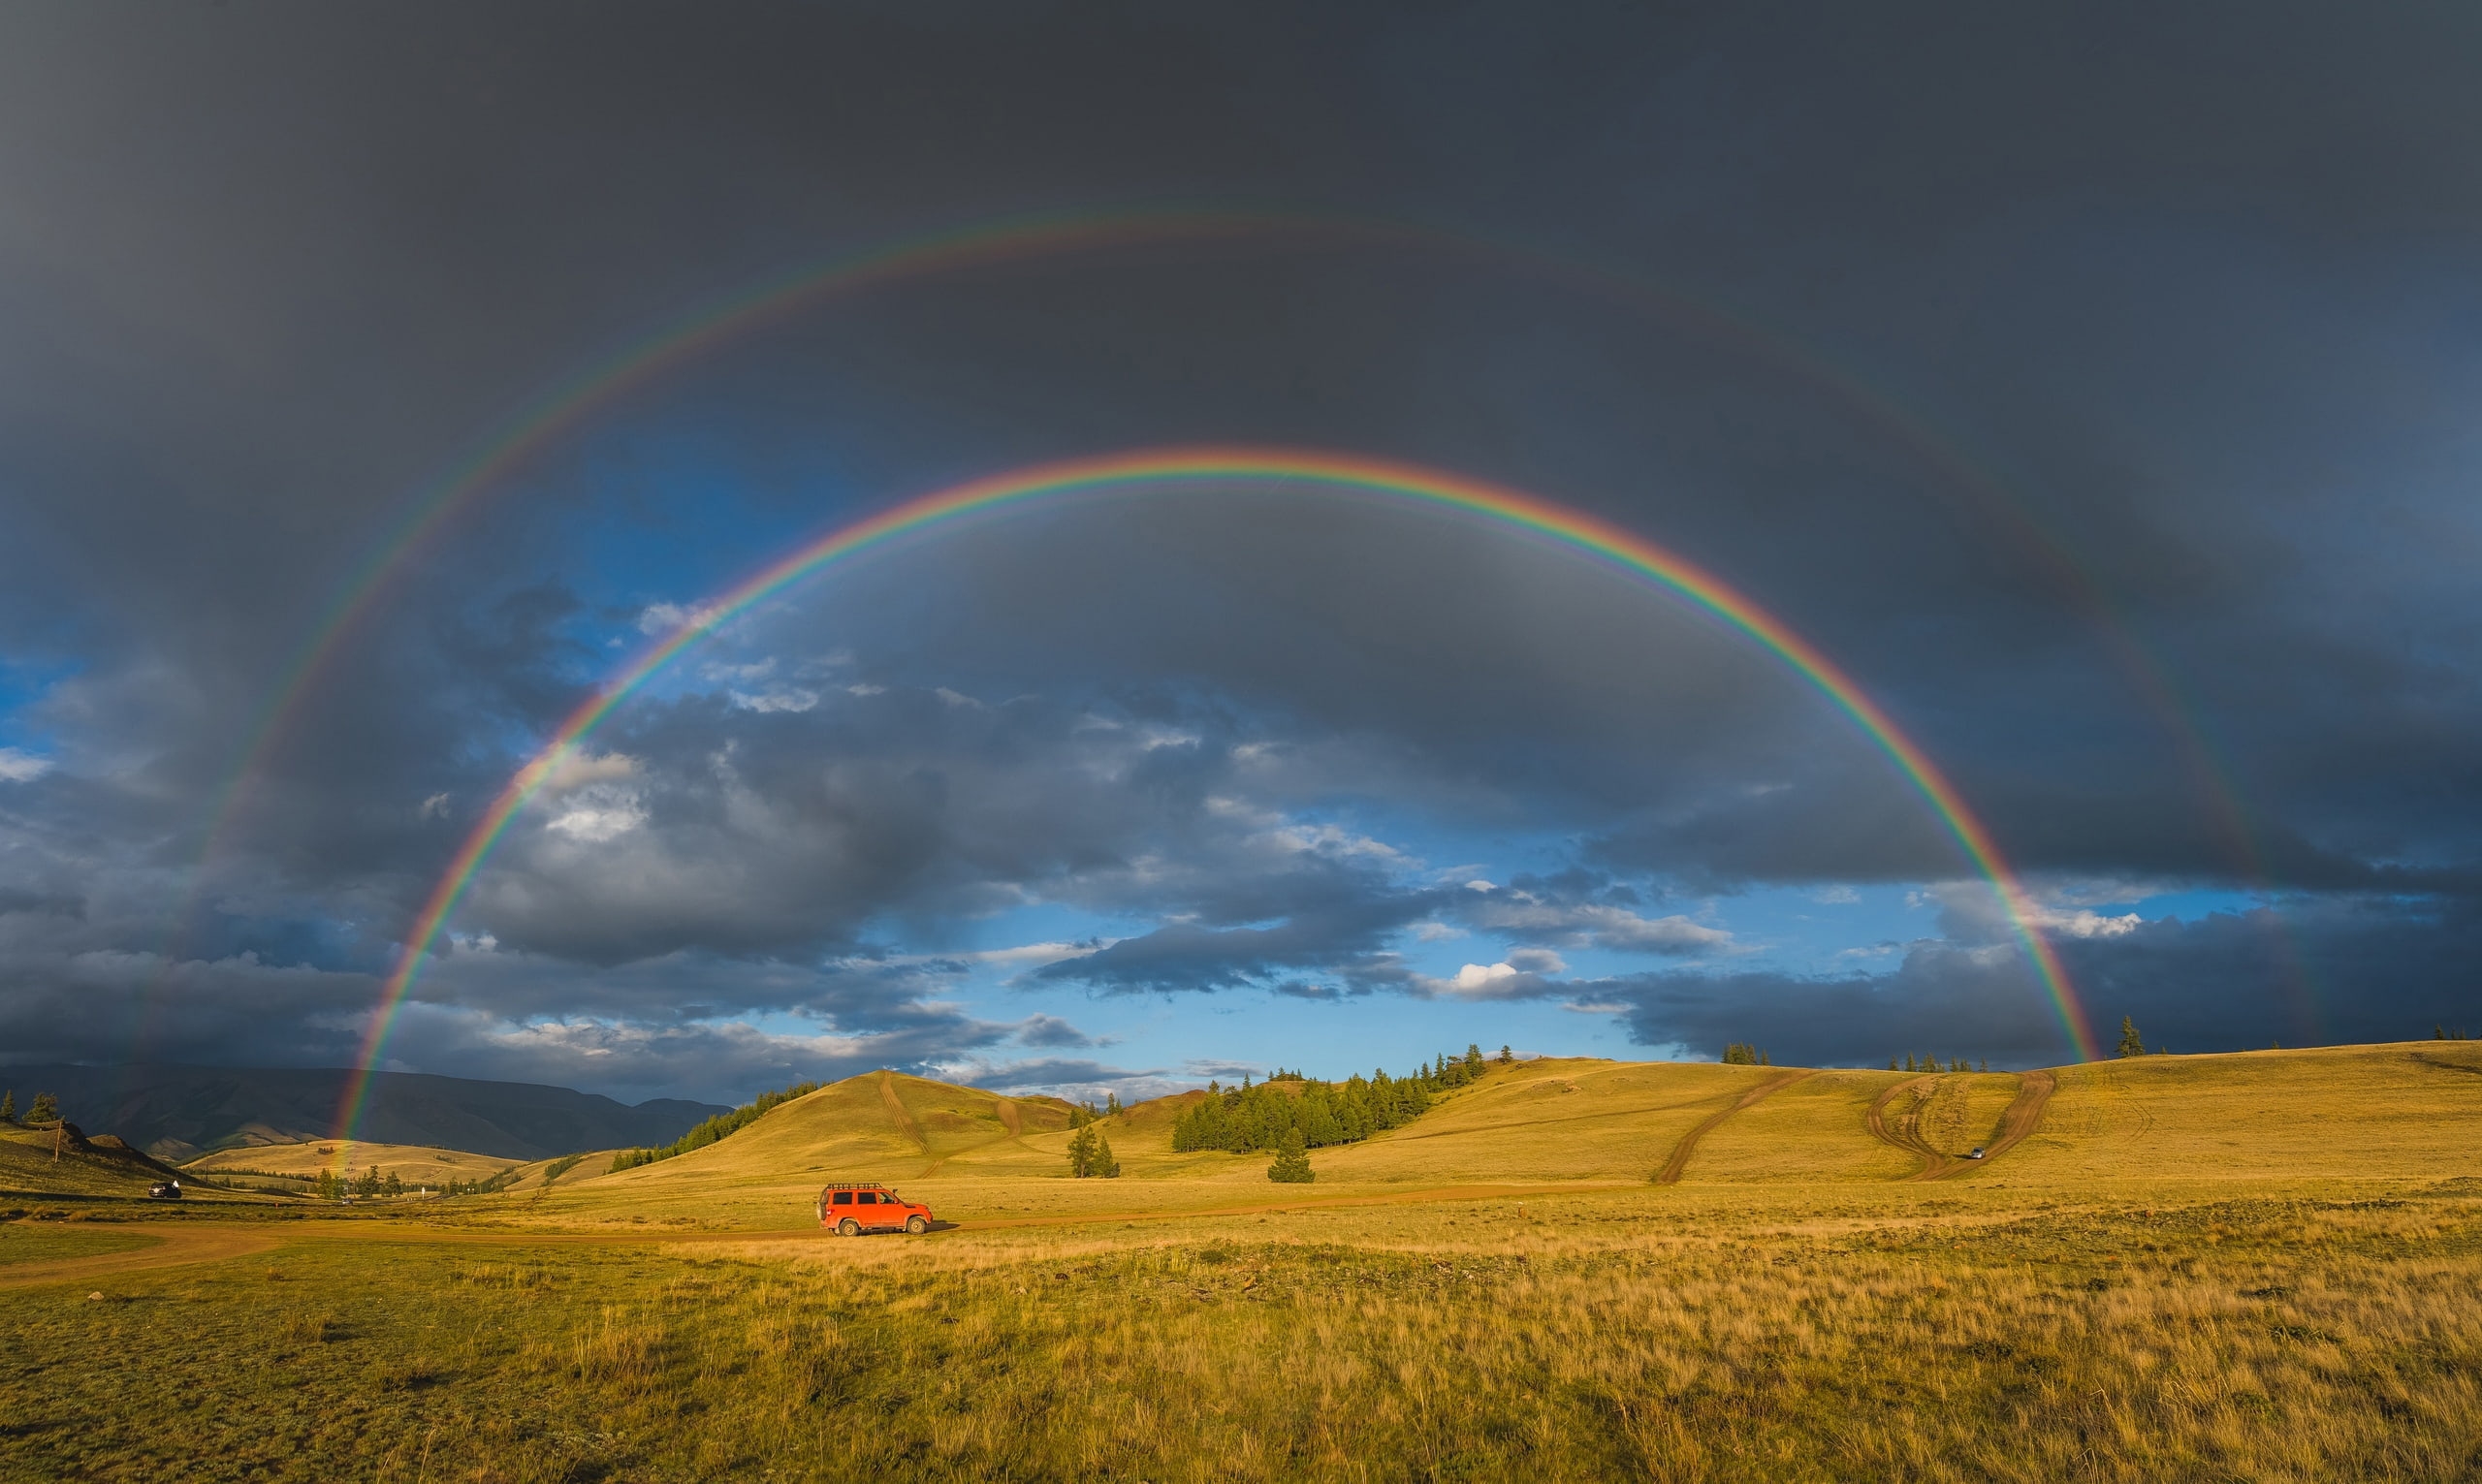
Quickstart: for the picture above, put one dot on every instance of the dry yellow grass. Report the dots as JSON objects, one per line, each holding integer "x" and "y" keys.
{"x": 413, "y": 1163}
{"x": 2258, "y": 1267}
{"x": 1812, "y": 1130}
{"x": 2341, "y": 1112}
{"x": 1747, "y": 1332}
{"x": 2400, "y": 1110}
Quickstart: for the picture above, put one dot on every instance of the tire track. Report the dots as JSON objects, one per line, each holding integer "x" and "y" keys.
{"x": 896, "y": 1109}
{"x": 2020, "y": 1119}
{"x": 174, "y": 1246}
{"x": 1906, "y": 1132}
{"x": 2033, "y": 1093}
{"x": 1670, "y": 1174}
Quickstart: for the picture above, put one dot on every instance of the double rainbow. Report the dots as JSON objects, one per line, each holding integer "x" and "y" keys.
{"x": 1402, "y": 484}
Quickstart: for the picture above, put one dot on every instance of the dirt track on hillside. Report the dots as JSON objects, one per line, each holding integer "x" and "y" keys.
{"x": 1670, "y": 1174}
{"x": 174, "y": 1245}
{"x": 2034, "y": 1090}
{"x": 904, "y": 1120}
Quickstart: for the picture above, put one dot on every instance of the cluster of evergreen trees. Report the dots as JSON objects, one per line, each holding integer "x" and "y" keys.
{"x": 722, "y": 1125}
{"x": 330, "y": 1186}
{"x": 1737, "y": 1055}
{"x": 44, "y": 1113}
{"x": 1090, "y": 1151}
{"x": 480, "y": 1186}
{"x": 1933, "y": 1064}
{"x": 2134, "y": 1045}
{"x": 1246, "y": 1118}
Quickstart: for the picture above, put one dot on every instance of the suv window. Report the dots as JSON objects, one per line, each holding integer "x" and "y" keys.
{"x": 842, "y": 1198}
{"x": 867, "y": 1198}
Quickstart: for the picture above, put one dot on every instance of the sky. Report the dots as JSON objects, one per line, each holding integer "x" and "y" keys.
{"x": 2092, "y": 386}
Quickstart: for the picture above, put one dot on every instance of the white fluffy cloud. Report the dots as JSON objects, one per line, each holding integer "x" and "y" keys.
{"x": 19, "y": 765}
{"x": 671, "y": 618}
{"x": 1577, "y": 925}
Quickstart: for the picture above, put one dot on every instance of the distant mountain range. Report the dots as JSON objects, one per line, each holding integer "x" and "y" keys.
{"x": 178, "y": 1112}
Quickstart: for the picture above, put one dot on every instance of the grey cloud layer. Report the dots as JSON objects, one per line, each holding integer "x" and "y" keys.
{"x": 2160, "y": 336}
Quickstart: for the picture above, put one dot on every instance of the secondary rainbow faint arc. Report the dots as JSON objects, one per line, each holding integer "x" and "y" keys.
{"x": 1571, "y": 528}
{"x": 1007, "y": 239}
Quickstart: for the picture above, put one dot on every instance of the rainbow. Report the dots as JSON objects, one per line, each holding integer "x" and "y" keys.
{"x": 1558, "y": 526}
{"x": 568, "y": 403}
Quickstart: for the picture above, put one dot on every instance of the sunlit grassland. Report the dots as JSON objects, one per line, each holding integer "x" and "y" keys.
{"x": 412, "y": 1163}
{"x": 2338, "y": 1110}
{"x": 2295, "y": 1332}
{"x": 2256, "y": 1267}
{"x": 28, "y": 1164}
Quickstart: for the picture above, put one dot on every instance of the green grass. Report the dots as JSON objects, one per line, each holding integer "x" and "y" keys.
{"x": 43, "y": 1242}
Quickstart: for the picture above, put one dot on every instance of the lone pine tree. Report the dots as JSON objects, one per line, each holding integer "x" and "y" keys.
{"x": 1292, "y": 1162}
{"x": 2131, "y": 1043}
{"x": 47, "y": 1110}
{"x": 1082, "y": 1142}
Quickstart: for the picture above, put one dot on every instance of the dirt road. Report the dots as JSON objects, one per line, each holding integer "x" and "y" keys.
{"x": 172, "y": 1247}
{"x": 2033, "y": 1090}
{"x": 1670, "y": 1174}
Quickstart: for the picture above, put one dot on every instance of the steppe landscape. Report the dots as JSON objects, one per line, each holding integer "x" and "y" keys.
{"x": 2261, "y": 1266}
{"x": 825, "y": 741}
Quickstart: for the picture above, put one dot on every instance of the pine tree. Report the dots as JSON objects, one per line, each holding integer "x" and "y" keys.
{"x": 1986, "y": 1063}
{"x": 1762, "y": 1059}
{"x": 45, "y": 1112}
{"x": 1111, "y": 1105}
{"x": 2131, "y": 1043}
{"x": 1292, "y": 1162}
{"x": 8, "y": 1106}
{"x": 394, "y": 1186}
{"x": 1507, "y": 1058}
{"x": 1081, "y": 1143}
{"x": 1908, "y": 1062}
{"x": 1106, "y": 1165}
{"x": 1891, "y": 1065}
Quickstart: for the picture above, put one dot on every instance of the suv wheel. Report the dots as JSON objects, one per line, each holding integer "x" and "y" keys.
{"x": 849, "y": 1227}
{"x": 916, "y": 1226}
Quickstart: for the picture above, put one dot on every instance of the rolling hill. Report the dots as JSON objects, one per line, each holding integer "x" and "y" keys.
{"x": 101, "y": 1166}
{"x": 2342, "y": 1112}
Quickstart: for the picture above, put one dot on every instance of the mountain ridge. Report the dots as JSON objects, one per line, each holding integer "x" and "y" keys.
{"x": 175, "y": 1111}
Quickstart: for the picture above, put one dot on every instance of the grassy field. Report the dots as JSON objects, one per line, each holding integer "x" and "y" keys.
{"x": 294, "y": 1166}
{"x": 2261, "y": 1267}
{"x": 30, "y": 1165}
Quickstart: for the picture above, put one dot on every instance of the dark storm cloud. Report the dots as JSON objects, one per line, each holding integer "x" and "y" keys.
{"x": 2169, "y": 298}
{"x": 2349, "y": 969}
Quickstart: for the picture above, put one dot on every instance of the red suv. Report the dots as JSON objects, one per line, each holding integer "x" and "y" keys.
{"x": 852, "y": 1209}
